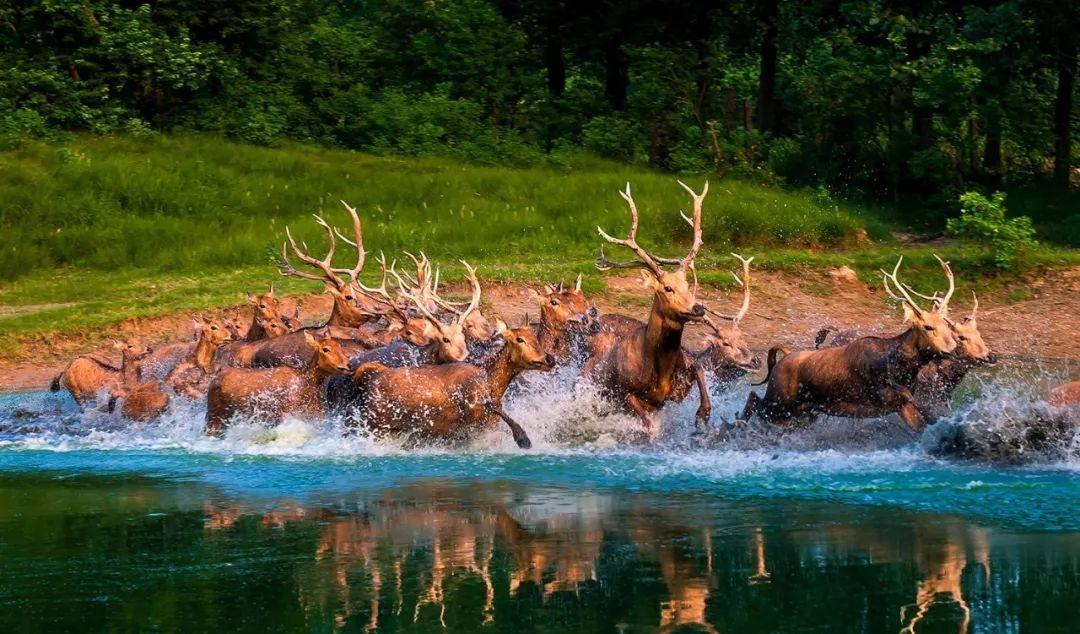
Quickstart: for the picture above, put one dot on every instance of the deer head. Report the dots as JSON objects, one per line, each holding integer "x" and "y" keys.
{"x": 266, "y": 305}
{"x": 329, "y": 357}
{"x": 214, "y": 331}
{"x": 274, "y": 327}
{"x": 132, "y": 349}
{"x": 728, "y": 345}
{"x": 525, "y": 351}
{"x": 932, "y": 328}
{"x": 563, "y": 308}
{"x": 450, "y": 340}
{"x": 675, "y": 297}
{"x": 969, "y": 339}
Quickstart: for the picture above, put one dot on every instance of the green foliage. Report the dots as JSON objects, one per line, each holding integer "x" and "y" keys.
{"x": 983, "y": 219}
{"x": 201, "y": 203}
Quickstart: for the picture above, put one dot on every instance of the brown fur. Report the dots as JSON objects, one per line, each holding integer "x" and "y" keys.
{"x": 191, "y": 378}
{"x": 286, "y": 390}
{"x": 448, "y": 401}
{"x": 88, "y": 377}
{"x": 565, "y": 316}
{"x": 1067, "y": 395}
{"x": 868, "y": 377}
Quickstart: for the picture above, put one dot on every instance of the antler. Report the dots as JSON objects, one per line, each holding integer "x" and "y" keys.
{"x": 380, "y": 294}
{"x": 357, "y": 243}
{"x": 695, "y": 223}
{"x": 904, "y": 297}
{"x": 941, "y": 304}
{"x": 577, "y": 283}
{"x": 329, "y": 273}
{"x": 285, "y": 267}
{"x": 474, "y": 303}
{"x": 744, "y": 282}
{"x": 645, "y": 259}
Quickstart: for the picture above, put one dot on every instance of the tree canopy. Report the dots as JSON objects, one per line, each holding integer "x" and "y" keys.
{"x": 891, "y": 99}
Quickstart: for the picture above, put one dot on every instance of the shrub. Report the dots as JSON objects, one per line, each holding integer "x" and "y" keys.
{"x": 983, "y": 219}
{"x": 613, "y": 137}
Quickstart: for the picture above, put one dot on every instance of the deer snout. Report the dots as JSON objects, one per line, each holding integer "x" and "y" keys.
{"x": 549, "y": 359}
{"x": 991, "y": 358}
{"x": 698, "y": 310}
{"x": 754, "y": 364}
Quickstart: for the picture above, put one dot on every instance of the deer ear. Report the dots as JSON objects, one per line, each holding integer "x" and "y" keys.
{"x": 119, "y": 345}
{"x": 550, "y": 288}
{"x": 251, "y": 298}
{"x": 501, "y": 326}
{"x": 910, "y": 314}
{"x": 647, "y": 280}
{"x": 310, "y": 340}
{"x": 270, "y": 291}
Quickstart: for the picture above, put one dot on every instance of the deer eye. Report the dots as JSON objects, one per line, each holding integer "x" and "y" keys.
{"x": 521, "y": 341}
{"x": 446, "y": 339}
{"x": 928, "y": 327}
{"x": 326, "y": 350}
{"x": 726, "y": 344}
{"x": 668, "y": 289}
{"x": 554, "y": 302}
{"x": 962, "y": 338}
{"x": 213, "y": 327}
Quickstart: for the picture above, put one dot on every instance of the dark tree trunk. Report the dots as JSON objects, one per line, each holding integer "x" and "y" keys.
{"x": 1066, "y": 71}
{"x": 767, "y": 76}
{"x": 616, "y": 74}
{"x": 992, "y": 148}
{"x": 555, "y": 61}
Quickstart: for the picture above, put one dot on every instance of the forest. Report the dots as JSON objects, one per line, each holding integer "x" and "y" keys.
{"x": 889, "y": 101}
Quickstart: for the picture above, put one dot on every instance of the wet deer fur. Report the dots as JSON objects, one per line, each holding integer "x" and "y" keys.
{"x": 868, "y": 377}
{"x": 638, "y": 368}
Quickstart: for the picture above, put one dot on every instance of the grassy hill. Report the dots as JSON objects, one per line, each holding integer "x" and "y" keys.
{"x": 101, "y": 228}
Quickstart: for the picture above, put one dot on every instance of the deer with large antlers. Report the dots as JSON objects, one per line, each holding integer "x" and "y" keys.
{"x": 938, "y": 379}
{"x": 438, "y": 343}
{"x": 274, "y": 392}
{"x": 866, "y": 378}
{"x": 638, "y": 367}
{"x": 450, "y": 401}
{"x": 726, "y": 355}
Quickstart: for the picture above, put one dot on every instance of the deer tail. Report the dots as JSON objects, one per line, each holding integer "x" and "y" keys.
{"x": 822, "y": 335}
{"x": 55, "y": 385}
{"x": 773, "y": 358}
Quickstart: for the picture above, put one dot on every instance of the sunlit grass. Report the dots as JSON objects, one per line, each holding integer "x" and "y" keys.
{"x": 105, "y": 229}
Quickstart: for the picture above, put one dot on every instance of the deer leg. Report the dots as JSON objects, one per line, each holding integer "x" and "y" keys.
{"x": 901, "y": 399}
{"x": 751, "y": 407}
{"x": 520, "y": 437}
{"x": 643, "y": 412}
{"x": 705, "y": 406}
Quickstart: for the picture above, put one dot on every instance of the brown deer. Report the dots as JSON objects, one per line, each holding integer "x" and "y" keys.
{"x": 351, "y": 308}
{"x": 274, "y": 392}
{"x": 566, "y": 317}
{"x": 637, "y": 367}
{"x": 936, "y": 381}
{"x": 726, "y": 355}
{"x": 866, "y": 378}
{"x": 191, "y": 378}
{"x": 448, "y": 401}
{"x": 88, "y": 377}
{"x": 141, "y": 402}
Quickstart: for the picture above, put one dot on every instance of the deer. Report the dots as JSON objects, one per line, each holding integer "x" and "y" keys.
{"x": 352, "y": 309}
{"x": 868, "y": 377}
{"x": 275, "y": 392}
{"x": 937, "y": 380}
{"x": 1065, "y": 395}
{"x": 726, "y": 356}
{"x": 636, "y": 363}
{"x": 437, "y": 343}
{"x": 88, "y": 377}
{"x": 449, "y": 401}
{"x": 191, "y": 377}
{"x": 566, "y": 317}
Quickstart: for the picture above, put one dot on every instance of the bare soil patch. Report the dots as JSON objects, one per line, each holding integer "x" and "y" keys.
{"x": 786, "y": 309}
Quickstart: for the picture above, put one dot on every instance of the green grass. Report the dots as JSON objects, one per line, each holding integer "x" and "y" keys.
{"x": 106, "y": 228}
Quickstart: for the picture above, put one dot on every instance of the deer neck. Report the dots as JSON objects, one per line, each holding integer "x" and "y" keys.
{"x": 500, "y": 372}
{"x": 204, "y": 354}
{"x": 662, "y": 342}
{"x": 131, "y": 371}
{"x": 550, "y": 337}
{"x": 255, "y": 331}
{"x": 905, "y": 356}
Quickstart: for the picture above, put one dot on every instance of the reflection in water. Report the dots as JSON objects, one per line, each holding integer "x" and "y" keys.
{"x": 441, "y": 555}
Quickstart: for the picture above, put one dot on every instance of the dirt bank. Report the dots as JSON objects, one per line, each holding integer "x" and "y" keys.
{"x": 787, "y": 309}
